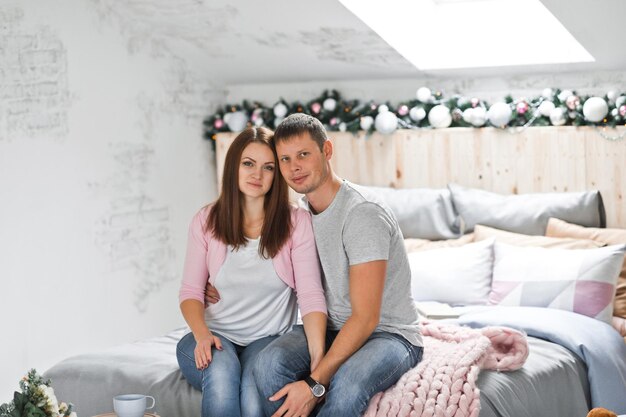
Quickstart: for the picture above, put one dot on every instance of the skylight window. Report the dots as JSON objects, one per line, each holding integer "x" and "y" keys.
{"x": 446, "y": 34}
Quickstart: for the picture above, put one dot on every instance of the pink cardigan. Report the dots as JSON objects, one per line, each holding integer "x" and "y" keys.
{"x": 296, "y": 263}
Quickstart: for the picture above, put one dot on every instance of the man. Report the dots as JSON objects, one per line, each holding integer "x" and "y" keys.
{"x": 373, "y": 336}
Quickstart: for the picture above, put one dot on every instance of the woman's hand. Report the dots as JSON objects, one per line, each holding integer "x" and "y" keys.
{"x": 202, "y": 352}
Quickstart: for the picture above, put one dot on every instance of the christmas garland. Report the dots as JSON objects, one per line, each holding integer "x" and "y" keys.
{"x": 430, "y": 110}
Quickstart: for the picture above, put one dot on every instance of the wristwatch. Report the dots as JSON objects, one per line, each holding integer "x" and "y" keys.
{"x": 318, "y": 389}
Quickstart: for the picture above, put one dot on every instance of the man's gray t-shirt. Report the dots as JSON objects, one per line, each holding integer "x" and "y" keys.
{"x": 359, "y": 227}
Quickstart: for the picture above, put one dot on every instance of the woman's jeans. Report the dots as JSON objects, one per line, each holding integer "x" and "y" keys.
{"x": 227, "y": 385}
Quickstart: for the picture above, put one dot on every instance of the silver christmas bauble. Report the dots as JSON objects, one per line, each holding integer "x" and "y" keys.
{"x": 439, "y": 116}
{"x": 383, "y": 108}
{"x": 479, "y": 116}
{"x": 499, "y": 114}
{"x": 467, "y": 115}
{"x": 386, "y": 122}
{"x": 545, "y": 108}
{"x": 611, "y": 95}
{"x": 558, "y": 116}
{"x": 595, "y": 109}
{"x": 423, "y": 94}
{"x": 417, "y": 113}
{"x": 343, "y": 127}
{"x": 280, "y": 110}
{"x": 547, "y": 93}
{"x": 237, "y": 121}
{"x": 563, "y": 95}
{"x": 366, "y": 122}
{"x": 330, "y": 104}
{"x": 620, "y": 100}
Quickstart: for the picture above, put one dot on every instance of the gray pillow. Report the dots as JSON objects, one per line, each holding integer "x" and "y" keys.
{"x": 526, "y": 213}
{"x": 423, "y": 213}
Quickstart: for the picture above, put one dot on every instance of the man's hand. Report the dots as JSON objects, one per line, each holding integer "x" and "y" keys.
{"x": 211, "y": 295}
{"x": 300, "y": 400}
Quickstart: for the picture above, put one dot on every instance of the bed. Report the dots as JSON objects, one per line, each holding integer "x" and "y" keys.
{"x": 575, "y": 362}
{"x": 552, "y": 373}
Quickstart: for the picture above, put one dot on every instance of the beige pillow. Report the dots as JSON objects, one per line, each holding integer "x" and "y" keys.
{"x": 416, "y": 245}
{"x": 517, "y": 239}
{"x": 559, "y": 228}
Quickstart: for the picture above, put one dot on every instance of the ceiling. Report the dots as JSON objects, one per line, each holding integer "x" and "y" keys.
{"x": 252, "y": 42}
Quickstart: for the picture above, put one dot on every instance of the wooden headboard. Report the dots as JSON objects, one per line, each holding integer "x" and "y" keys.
{"x": 538, "y": 159}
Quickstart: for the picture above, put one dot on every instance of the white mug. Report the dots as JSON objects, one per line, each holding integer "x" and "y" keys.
{"x": 131, "y": 405}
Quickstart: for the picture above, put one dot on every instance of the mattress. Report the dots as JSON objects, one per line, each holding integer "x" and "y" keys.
{"x": 552, "y": 382}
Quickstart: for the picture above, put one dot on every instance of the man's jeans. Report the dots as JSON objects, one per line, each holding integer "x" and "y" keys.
{"x": 227, "y": 385}
{"x": 377, "y": 365}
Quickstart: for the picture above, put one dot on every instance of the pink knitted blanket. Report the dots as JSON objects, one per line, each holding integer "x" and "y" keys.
{"x": 443, "y": 384}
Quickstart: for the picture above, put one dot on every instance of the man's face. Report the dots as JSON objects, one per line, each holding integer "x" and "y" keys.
{"x": 302, "y": 163}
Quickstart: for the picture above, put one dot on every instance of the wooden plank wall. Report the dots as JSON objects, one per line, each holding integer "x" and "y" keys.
{"x": 538, "y": 159}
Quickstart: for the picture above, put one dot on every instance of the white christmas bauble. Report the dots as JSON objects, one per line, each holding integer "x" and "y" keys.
{"x": 611, "y": 96}
{"x": 558, "y": 116}
{"x": 280, "y": 110}
{"x": 383, "y": 108}
{"x": 499, "y": 114}
{"x": 343, "y": 127}
{"x": 278, "y": 120}
{"x": 547, "y": 93}
{"x": 258, "y": 122}
{"x": 386, "y": 122}
{"x": 545, "y": 108}
{"x": 423, "y": 94}
{"x": 479, "y": 116}
{"x": 467, "y": 115}
{"x": 619, "y": 101}
{"x": 595, "y": 109}
{"x": 237, "y": 121}
{"x": 563, "y": 95}
{"x": 417, "y": 113}
{"x": 226, "y": 117}
{"x": 330, "y": 104}
{"x": 439, "y": 116}
{"x": 366, "y": 122}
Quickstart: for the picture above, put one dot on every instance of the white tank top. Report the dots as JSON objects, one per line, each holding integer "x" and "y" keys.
{"x": 254, "y": 301}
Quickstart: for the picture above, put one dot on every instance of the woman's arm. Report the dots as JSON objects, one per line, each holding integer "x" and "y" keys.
{"x": 192, "y": 291}
{"x": 315, "y": 330}
{"x": 193, "y": 312}
{"x": 308, "y": 285}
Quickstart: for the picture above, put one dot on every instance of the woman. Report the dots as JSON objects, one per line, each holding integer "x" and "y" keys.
{"x": 259, "y": 253}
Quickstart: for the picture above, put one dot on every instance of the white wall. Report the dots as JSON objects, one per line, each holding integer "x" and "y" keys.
{"x": 397, "y": 90}
{"x": 102, "y": 165}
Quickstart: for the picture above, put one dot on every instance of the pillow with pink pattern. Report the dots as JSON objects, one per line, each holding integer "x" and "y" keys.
{"x": 578, "y": 280}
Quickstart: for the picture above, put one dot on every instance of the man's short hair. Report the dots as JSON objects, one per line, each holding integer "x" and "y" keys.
{"x": 299, "y": 123}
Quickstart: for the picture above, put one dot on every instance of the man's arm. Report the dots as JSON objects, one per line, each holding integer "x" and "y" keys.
{"x": 367, "y": 281}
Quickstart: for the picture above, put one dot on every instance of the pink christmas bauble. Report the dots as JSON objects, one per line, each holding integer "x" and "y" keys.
{"x": 403, "y": 110}
{"x": 218, "y": 123}
{"x": 622, "y": 110}
{"x": 522, "y": 107}
{"x": 572, "y": 102}
{"x": 316, "y": 108}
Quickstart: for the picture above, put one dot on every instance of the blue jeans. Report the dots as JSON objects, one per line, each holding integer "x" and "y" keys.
{"x": 376, "y": 366}
{"x": 227, "y": 384}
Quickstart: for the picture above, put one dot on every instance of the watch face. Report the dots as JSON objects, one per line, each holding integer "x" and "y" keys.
{"x": 318, "y": 390}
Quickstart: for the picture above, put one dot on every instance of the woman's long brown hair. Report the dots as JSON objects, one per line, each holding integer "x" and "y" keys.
{"x": 225, "y": 219}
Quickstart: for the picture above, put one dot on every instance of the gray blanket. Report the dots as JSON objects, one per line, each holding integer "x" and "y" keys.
{"x": 551, "y": 375}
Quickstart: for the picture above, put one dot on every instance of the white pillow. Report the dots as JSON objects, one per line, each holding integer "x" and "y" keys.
{"x": 457, "y": 276}
{"x": 578, "y": 280}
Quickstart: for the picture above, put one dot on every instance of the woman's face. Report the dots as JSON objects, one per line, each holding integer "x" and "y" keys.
{"x": 256, "y": 170}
